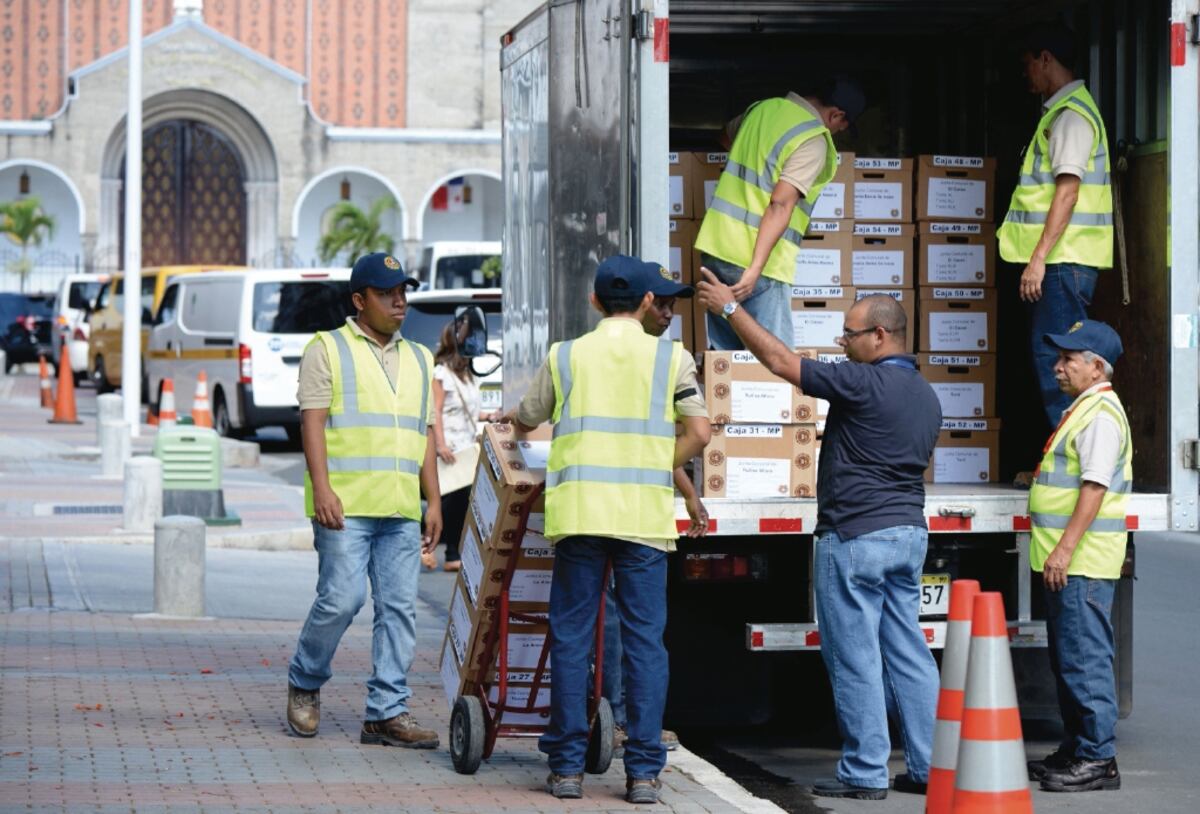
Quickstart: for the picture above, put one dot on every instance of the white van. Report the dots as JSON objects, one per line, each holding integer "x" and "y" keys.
{"x": 75, "y": 299}
{"x": 246, "y": 330}
{"x": 459, "y": 264}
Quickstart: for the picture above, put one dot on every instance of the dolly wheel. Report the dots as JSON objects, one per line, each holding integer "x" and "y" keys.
{"x": 467, "y": 734}
{"x": 600, "y": 745}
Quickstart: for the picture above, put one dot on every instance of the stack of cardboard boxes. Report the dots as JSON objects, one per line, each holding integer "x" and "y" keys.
{"x": 693, "y": 179}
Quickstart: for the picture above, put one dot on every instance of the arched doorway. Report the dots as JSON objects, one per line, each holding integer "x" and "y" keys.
{"x": 465, "y": 206}
{"x": 193, "y": 196}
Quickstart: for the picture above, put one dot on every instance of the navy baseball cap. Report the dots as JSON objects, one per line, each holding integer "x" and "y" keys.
{"x": 625, "y": 276}
{"x": 1091, "y": 335}
{"x": 846, "y": 94}
{"x": 379, "y": 270}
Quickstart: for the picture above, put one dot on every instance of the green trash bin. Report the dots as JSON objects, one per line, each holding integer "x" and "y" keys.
{"x": 191, "y": 466}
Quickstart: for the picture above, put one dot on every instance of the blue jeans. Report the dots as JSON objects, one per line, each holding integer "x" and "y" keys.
{"x": 388, "y": 550}
{"x": 770, "y": 303}
{"x": 611, "y": 685}
{"x": 641, "y": 597}
{"x": 868, "y": 601}
{"x": 1066, "y": 294}
{"x": 1081, "y": 657}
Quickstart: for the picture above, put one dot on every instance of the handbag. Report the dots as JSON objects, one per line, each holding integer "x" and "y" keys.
{"x": 461, "y": 473}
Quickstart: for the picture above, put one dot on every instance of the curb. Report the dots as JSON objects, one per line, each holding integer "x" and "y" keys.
{"x": 293, "y": 538}
{"x": 710, "y": 778}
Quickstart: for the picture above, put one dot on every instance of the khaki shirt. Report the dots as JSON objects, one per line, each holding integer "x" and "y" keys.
{"x": 1071, "y": 136}
{"x": 315, "y": 389}
{"x": 1098, "y": 444}
{"x": 806, "y": 162}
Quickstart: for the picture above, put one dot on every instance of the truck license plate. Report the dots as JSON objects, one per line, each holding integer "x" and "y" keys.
{"x": 490, "y": 398}
{"x": 935, "y": 594}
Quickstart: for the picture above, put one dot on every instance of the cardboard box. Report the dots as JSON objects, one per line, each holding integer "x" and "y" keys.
{"x": 483, "y": 572}
{"x": 968, "y": 451}
{"x": 747, "y": 461}
{"x": 681, "y": 243}
{"x": 699, "y": 326}
{"x": 512, "y": 464}
{"x": 836, "y": 200}
{"x": 708, "y": 168}
{"x": 883, "y": 190}
{"x": 739, "y": 390}
{"x": 965, "y": 384}
{"x": 681, "y": 174}
{"x": 822, "y": 406}
{"x": 524, "y": 651}
{"x": 952, "y": 187}
{"x": 908, "y": 301}
{"x": 956, "y": 254}
{"x": 819, "y": 316}
{"x": 957, "y": 320}
{"x": 824, "y": 256}
{"x": 882, "y": 256}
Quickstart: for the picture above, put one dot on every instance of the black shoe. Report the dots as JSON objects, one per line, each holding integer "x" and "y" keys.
{"x": 1056, "y": 761}
{"x": 904, "y": 783}
{"x": 836, "y": 788}
{"x": 1084, "y": 775}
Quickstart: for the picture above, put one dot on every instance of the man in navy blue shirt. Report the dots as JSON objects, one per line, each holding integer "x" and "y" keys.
{"x": 871, "y": 534}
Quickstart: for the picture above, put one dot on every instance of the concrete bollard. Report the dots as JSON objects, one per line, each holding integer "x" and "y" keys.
{"x": 179, "y": 566}
{"x": 3, "y": 364}
{"x": 108, "y": 408}
{"x": 115, "y": 448}
{"x": 143, "y": 493}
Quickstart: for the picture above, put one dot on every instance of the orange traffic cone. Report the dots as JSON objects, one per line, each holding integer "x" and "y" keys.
{"x": 991, "y": 776}
{"x": 166, "y": 405}
{"x": 950, "y": 698}
{"x": 201, "y": 412}
{"x": 44, "y": 382}
{"x": 152, "y": 414}
{"x": 64, "y": 404}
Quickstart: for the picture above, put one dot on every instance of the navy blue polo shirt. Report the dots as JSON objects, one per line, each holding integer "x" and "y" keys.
{"x": 882, "y": 427}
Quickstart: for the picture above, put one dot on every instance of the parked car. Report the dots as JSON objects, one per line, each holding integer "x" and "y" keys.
{"x": 460, "y": 264}
{"x": 76, "y": 298}
{"x": 25, "y": 328}
{"x": 246, "y": 330}
{"x": 428, "y": 313}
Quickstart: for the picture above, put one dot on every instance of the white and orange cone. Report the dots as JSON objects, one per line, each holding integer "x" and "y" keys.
{"x": 201, "y": 411}
{"x": 166, "y": 405}
{"x": 950, "y": 698}
{"x": 44, "y": 383}
{"x": 991, "y": 776}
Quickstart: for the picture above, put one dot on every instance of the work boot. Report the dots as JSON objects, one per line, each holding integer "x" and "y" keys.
{"x": 836, "y": 788}
{"x": 1084, "y": 775}
{"x": 303, "y": 711}
{"x": 669, "y": 740}
{"x": 565, "y": 786}
{"x": 645, "y": 790}
{"x": 1057, "y": 760}
{"x": 907, "y": 785}
{"x": 402, "y": 730}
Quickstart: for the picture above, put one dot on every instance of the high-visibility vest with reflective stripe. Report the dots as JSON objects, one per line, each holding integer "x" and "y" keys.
{"x": 613, "y": 448}
{"x": 1055, "y": 491}
{"x": 375, "y": 434}
{"x": 1088, "y": 238}
{"x": 770, "y": 132}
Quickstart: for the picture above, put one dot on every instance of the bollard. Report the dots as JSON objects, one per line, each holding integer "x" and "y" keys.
{"x": 3, "y": 364}
{"x": 108, "y": 408}
{"x": 143, "y": 493}
{"x": 179, "y": 566}
{"x": 115, "y": 446}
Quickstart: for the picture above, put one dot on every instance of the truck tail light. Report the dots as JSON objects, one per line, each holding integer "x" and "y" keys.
{"x": 245, "y": 365}
{"x": 724, "y": 567}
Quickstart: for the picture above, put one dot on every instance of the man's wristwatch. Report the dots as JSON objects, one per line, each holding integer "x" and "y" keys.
{"x": 728, "y": 309}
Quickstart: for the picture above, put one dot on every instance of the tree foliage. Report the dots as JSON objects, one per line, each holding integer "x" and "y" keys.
{"x": 27, "y": 225}
{"x": 357, "y": 232}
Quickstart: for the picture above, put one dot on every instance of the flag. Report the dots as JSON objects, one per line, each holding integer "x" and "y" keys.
{"x": 455, "y": 194}
{"x": 439, "y": 199}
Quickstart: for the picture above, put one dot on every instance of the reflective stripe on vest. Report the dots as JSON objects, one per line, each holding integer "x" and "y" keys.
{"x": 1088, "y": 237}
{"x": 770, "y": 132}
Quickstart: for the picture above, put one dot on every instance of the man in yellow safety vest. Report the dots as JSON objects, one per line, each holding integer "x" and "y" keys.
{"x": 1060, "y": 222}
{"x": 365, "y": 407}
{"x": 614, "y": 396}
{"x": 1077, "y": 508}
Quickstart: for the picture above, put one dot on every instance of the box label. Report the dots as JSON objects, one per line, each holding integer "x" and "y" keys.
{"x": 710, "y": 187}
{"x": 530, "y": 586}
{"x": 955, "y": 359}
{"x": 879, "y": 229}
{"x": 743, "y": 357}
{"x": 716, "y": 158}
{"x": 956, "y": 228}
{"x": 472, "y": 564}
{"x": 878, "y": 267}
{"x": 535, "y": 453}
{"x": 458, "y": 641}
{"x": 817, "y": 267}
{"x": 484, "y": 507}
{"x": 896, "y": 294}
{"x": 831, "y": 203}
{"x": 760, "y": 402}
{"x": 970, "y": 425}
{"x": 536, "y": 547}
{"x": 816, "y": 329}
{"x": 957, "y": 161}
{"x": 675, "y": 194}
{"x": 519, "y": 697}
{"x": 808, "y": 292}
{"x": 449, "y": 674}
{"x": 536, "y": 522}
{"x": 878, "y": 163}
{"x": 492, "y": 459}
{"x": 460, "y": 616}
{"x": 959, "y": 293}
{"x": 961, "y": 465}
{"x": 824, "y": 226}
{"x": 675, "y": 258}
{"x": 525, "y": 650}
{"x": 949, "y": 264}
{"x": 876, "y": 200}
{"x": 747, "y": 478}
{"x": 754, "y": 430}
{"x": 959, "y": 398}
{"x": 957, "y": 198}
{"x": 953, "y": 331}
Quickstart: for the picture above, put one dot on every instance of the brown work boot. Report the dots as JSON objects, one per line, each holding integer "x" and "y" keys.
{"x": 401, "y": 730}
{"x": 303, "y": 711}
{"x": 669, "y": 740}
{"x": 644, "y": 791}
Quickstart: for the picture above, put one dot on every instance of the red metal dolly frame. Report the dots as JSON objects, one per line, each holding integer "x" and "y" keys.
{"x": 476, "y": 722}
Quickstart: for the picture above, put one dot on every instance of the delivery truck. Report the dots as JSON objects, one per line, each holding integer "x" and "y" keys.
{"x": 601, "y": 97}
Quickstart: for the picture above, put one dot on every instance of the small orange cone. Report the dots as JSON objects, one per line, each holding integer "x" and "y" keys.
{"x": 991, "y": 776}
{"x": 950, "y": 698}
{"x": 44, "y": 382}
{"x": 64, "y": 404}
{"x": 152, "y": 415}
{"x": 166, "y": 405}
{"x": 201, "y": 412}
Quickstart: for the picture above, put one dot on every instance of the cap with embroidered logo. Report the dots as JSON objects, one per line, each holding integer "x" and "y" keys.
{"x": 379, "y": 270}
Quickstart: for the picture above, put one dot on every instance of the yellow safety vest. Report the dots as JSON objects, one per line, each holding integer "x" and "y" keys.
{"x": 375, "y": 434}
{"x": 1055, "y": 491}
{"x": 771, "y": 131}
{"x": 1088, "y": 238}
{"x": 613, "y": 449}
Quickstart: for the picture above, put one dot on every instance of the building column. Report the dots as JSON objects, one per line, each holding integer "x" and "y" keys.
{"x": 262, "y": 219}
{"x": 106, "y": 255}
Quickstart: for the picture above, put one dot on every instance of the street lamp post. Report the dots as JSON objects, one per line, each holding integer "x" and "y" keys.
{"x": 131, "y": 333}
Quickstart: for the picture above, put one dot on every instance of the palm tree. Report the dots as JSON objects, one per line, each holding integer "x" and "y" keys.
{"x": 27, "y": 225}
{"x": 355, "y": 231}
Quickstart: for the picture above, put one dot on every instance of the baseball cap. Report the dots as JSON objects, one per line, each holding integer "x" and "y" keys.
{"x": 848, "y": 95}
{"x": 379, "y": 270}
{"x": 1089, "y": 334}
{"x": 622, "y": 275}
